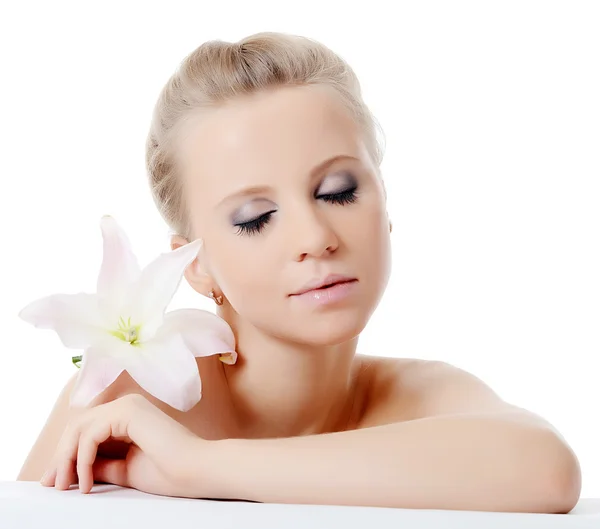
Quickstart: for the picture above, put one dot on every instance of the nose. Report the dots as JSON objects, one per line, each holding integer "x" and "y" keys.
{"x": 313, "y": 235}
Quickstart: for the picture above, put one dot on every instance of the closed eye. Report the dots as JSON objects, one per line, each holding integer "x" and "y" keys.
{"x": 345, "y": 197}
{"x": 256, "y": 225}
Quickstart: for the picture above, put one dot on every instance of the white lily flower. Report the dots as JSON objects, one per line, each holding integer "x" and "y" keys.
{"x": 124, "y": 327}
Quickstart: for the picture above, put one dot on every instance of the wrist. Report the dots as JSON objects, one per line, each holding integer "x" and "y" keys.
{"x": 208, "y": 473}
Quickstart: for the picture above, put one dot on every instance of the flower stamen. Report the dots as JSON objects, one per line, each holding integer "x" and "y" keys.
{"x": 127, "y": 332}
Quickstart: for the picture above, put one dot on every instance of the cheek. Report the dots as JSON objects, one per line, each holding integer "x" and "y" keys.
{"x": 246, "y": 276}
{"x": 372, "y": 245}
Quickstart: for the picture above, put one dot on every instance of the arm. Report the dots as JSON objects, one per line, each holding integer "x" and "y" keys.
{"x": 464, "y": 457}
{"x": 464, "y": 462}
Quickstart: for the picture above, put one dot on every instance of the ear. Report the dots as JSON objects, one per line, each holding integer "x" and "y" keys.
{"x": 195, "y": 273}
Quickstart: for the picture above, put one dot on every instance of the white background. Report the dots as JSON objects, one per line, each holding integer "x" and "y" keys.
{"x": 491, "y": 113}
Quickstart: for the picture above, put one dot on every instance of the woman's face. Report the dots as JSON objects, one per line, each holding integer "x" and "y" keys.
{"x": 282, "y": 190}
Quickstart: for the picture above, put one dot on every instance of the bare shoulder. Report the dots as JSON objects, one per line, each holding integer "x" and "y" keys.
{"x": 403, "y": 389}
{"x": 62, "y": 413}
{"x": 393, "y": 389}
{"x": 210, "y": 418}
{"x": 126, "y": 385}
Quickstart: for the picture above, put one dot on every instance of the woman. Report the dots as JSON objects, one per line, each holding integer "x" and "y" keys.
{"x": 265, "y": 150}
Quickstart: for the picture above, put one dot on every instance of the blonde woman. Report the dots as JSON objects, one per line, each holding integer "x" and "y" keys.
{"x": 265, "y": 149}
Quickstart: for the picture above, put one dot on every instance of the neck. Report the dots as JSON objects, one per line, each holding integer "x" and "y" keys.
{"x": 284, "y": 389}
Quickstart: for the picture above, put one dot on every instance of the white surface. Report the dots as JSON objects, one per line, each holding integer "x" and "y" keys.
{"x": 28, "y": 505}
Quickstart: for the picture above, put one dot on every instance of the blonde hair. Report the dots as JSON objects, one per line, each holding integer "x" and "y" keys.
{"x": 218, "y": 71}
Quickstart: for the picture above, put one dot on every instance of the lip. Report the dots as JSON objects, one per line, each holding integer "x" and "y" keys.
{"x": 316, "y": 284}
{"x": 335, "y": 295}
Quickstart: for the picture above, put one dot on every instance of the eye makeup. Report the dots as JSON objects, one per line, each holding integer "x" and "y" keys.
{"x": 347, "y": 195}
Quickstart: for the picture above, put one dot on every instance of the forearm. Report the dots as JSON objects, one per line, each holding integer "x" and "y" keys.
{"x": 452, "y": 462}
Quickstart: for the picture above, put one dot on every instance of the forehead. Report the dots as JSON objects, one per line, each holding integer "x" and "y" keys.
{"x": 265, "y": 138}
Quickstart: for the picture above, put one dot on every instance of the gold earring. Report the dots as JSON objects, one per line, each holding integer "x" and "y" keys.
{"x": 218, "y": 299}
{"x": 390, "y": 226}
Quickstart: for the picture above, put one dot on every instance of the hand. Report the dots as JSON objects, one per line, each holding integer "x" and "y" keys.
{"x": 157, "y": 460}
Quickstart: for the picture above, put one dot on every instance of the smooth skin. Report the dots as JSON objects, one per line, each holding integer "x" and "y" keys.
{"x": 301, "y": 418}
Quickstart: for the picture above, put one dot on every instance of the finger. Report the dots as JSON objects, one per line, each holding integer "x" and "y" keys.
{"x": 49, "y": 477}
{"x": 95, "y": 433}
{"x": 66, "y": 452}
{"x": 113, "y": 471}
{"x": 65, "y": 474}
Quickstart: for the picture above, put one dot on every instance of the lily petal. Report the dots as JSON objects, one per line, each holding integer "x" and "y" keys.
{"x": 166, "y": 369}
{"x": 158, "y": 282}
{"x": 76, "y": 318}
{"x": 204, "y": 332}
{"x": 99, "y": 369}
{"x": 228, "y": 358}
{"x": 119, "y": 267}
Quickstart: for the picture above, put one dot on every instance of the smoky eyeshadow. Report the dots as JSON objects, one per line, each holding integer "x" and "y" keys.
{"x": 347, "y": 183}
{"x": 247, "y": 213}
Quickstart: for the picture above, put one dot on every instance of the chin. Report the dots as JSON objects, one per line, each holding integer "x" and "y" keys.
{"x": 330, "y": 331}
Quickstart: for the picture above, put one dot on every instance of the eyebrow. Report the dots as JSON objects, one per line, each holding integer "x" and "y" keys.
{"x": 255, "y": 190}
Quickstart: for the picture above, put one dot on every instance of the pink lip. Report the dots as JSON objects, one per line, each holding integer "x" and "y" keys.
{"x": 325, "y": 296}
{"x": 318, "y": 283}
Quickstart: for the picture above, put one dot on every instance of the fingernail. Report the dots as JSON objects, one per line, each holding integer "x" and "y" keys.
{"x": 44, "y": 476}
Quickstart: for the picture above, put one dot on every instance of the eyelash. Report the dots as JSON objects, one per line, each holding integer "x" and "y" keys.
{"x": 255, "y": 226}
